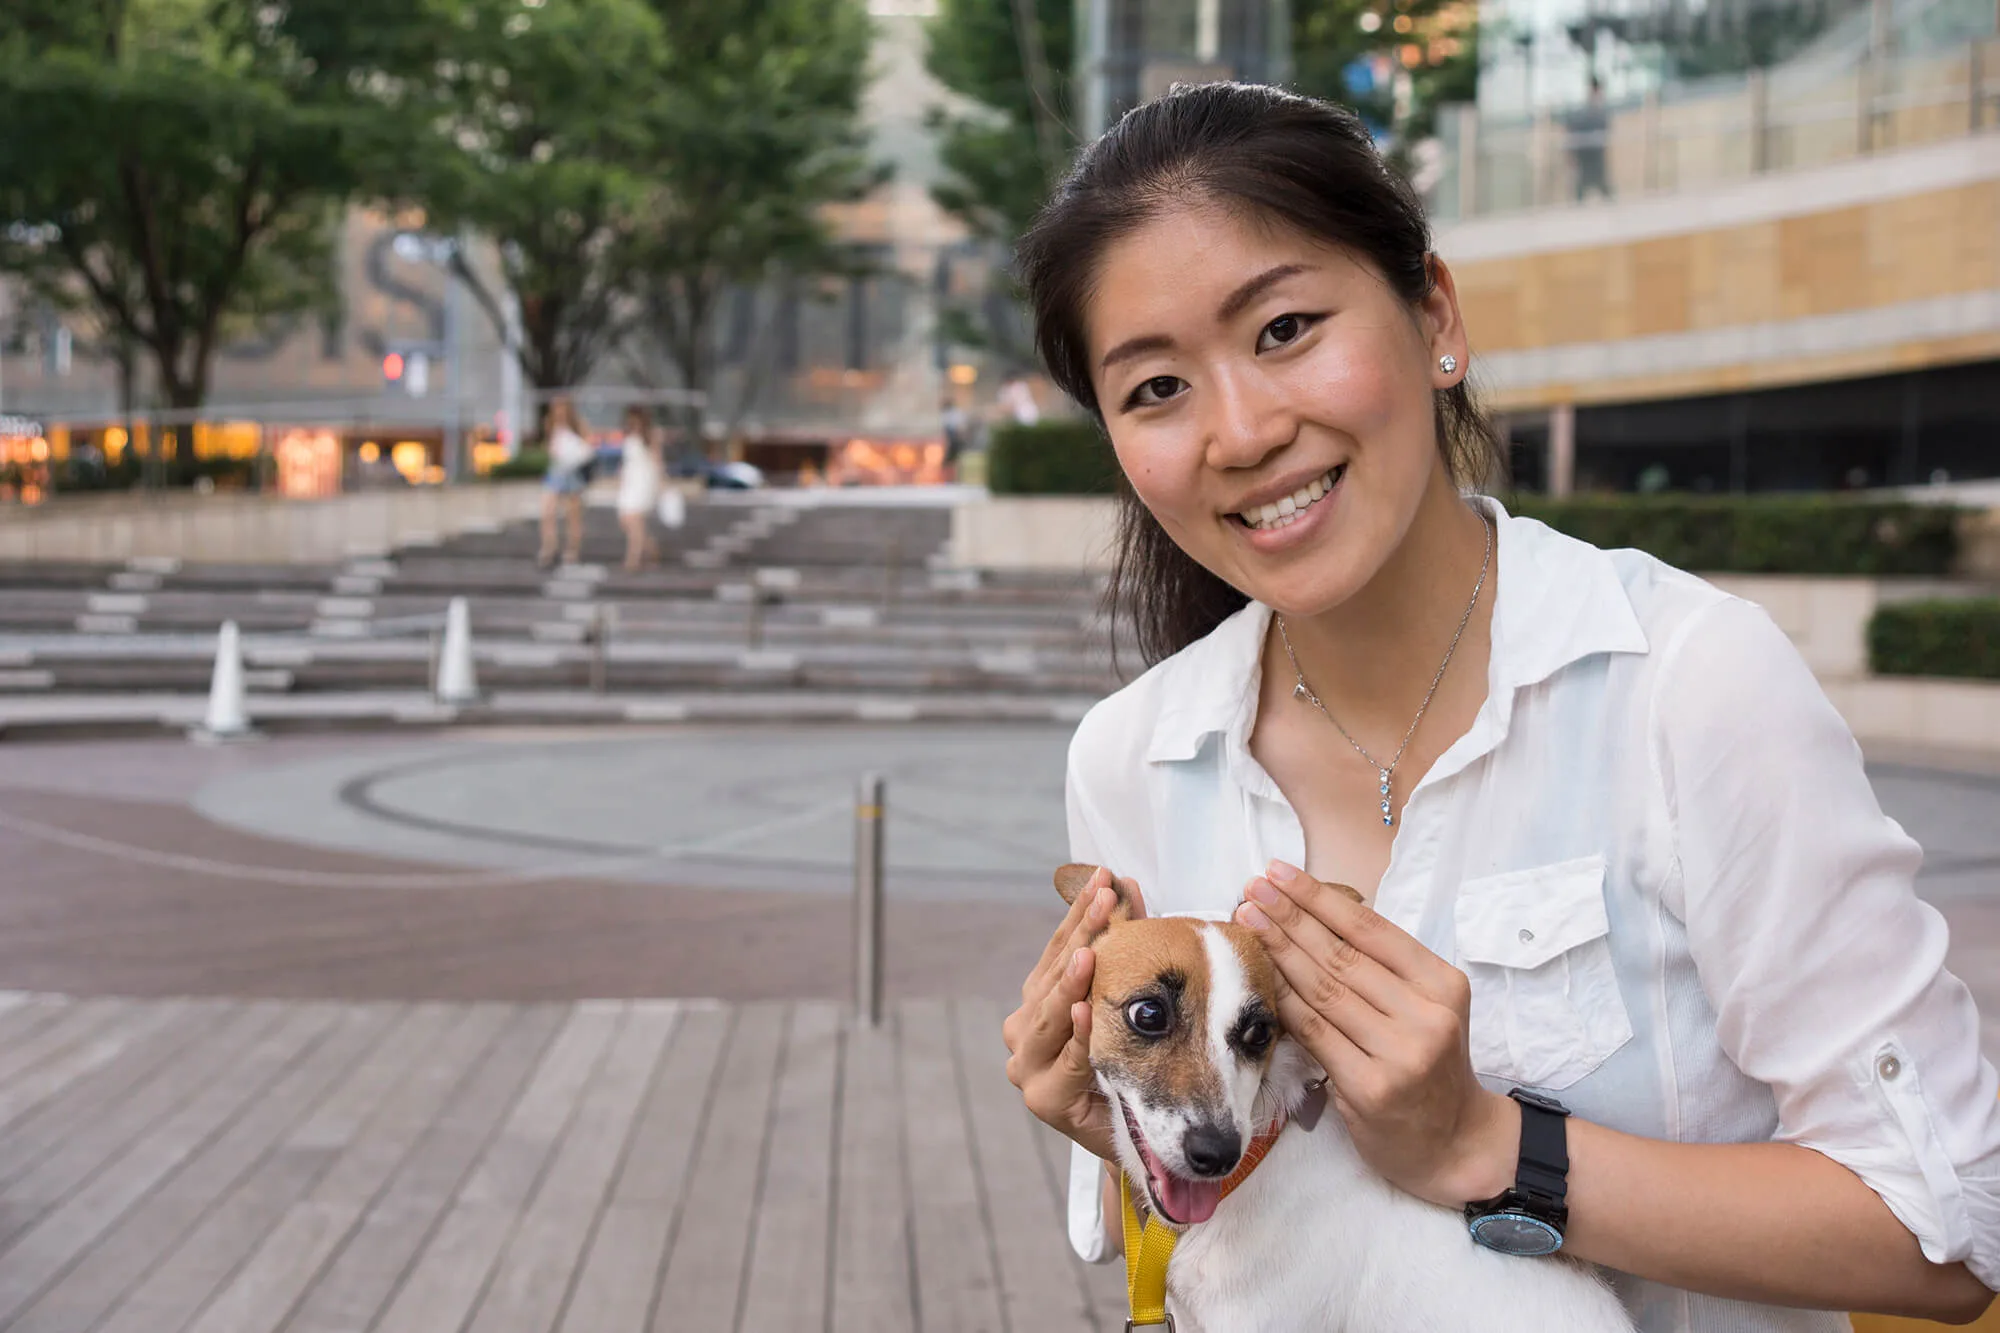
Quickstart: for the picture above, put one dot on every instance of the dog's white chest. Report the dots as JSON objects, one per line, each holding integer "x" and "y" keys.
{"x": 1314, "y": 1240}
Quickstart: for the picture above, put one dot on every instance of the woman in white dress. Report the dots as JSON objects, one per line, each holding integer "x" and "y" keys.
{"x": 563, "y": 484}
{"x": 639, "y": 473}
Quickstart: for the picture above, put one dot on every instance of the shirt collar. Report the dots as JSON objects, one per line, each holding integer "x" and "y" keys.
{"x": 1558, "y": 601}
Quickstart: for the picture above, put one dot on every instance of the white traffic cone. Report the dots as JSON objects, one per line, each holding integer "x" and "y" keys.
{"x": 456, "y": 682}
{"x": 228, "y": 718}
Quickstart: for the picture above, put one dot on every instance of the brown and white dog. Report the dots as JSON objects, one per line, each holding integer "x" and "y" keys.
{"x": 1282, "y": 1226}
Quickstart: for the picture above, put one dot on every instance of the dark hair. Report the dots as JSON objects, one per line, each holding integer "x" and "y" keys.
{"x": 637, "y": 414}
{"x": 1306, "y": 164}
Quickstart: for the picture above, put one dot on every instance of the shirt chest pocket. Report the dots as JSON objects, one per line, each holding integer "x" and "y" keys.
{"x": 1545, "y": 1003}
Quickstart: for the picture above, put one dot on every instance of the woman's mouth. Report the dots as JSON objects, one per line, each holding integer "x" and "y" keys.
{"x": 1289, "y": 509}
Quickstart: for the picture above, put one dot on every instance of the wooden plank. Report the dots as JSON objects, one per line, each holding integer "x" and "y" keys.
{"x": 626, "y": 1256}
{"x": 787, "y": 1287}
{"x": 957, "y": 1289}
{"x": 39, "y": 1123}
{"x": 61, "y": 1056}
{"x": 31, "y": 1033}
{"x": 51, "y": 1244}
{"x": 367, "y": 1134}
{"x": 536, "y": 1271}
{"x": 702, "y": 1288}
{"x": 872, "y": 1290}
{"x": 353, "y": 1289}
{"x": 1025, "y": 1215}
{"x": 445, "y": 1283}
{"x": 66, "y": 1138}
{"x": 177, "y": 1216}
{"x": 1103, "y": 1284}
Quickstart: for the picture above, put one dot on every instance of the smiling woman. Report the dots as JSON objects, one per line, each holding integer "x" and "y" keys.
{"x": 1607, "y": 839}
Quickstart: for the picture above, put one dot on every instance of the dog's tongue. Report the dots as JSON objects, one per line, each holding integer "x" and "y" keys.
{"x": 1185, "y": 1202}
{"x": 1188, "y": 1201}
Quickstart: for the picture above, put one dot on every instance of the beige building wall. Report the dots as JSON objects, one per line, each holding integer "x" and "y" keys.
{"x": 1866, "y": 267}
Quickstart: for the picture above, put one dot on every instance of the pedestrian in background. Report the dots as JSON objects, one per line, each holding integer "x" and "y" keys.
{"x": 563, "y": 484}
{"x": 640, "y": 468}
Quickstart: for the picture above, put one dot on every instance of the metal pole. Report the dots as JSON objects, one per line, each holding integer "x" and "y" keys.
{"x": 600, "y": 632}
{"x": 868, "y": 869}
{"x": 892, "y": 574}
{"x": 754, "y": 631}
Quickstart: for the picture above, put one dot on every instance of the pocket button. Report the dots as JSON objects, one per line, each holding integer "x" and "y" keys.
{"x": 1888, "y": 1067}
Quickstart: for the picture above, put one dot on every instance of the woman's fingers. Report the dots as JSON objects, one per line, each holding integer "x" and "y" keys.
{"x": 1053, "y": 955}
{"x": 1049, "y": 1024}
{"x": 1367, "y": 930}
{"x": 1325, "y": 969}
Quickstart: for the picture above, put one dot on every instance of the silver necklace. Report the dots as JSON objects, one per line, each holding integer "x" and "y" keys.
{"x": 1385, "y": 772}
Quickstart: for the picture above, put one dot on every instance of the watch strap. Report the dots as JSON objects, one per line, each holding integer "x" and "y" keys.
{"x": 1543, "y": 1173}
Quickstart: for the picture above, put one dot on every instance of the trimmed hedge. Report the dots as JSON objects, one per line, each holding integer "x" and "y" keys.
{"x": 1063, "y": 457}
{"x": 1945, "y": 637}
{"x": 527, "y": 463}
{"x": 1756, "y": 534}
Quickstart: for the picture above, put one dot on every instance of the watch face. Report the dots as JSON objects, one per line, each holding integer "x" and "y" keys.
{"x": 1516, "y": 1233}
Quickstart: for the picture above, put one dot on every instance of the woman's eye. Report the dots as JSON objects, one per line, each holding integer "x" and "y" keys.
{"x": 1286, "y": 329}
{"x": 1161, "y": 387}
{"x": 1148, "y": 1018}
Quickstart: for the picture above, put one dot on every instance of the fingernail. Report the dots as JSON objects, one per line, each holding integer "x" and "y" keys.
{"x": 1281, "y": 872}
{"x": 1250, "y": 916}
{"x": 1075, "y": 965}
{"x": 1102, "y": 906}
{"x": 1261, "y": 890}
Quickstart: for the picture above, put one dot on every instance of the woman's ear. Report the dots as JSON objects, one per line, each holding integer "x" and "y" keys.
{"x": 1443, "y": 326}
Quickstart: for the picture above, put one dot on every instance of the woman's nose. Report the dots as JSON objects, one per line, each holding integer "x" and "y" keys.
{"x": 1248, "y": 420}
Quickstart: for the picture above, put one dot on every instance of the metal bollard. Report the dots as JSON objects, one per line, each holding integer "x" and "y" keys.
{"x": 754, "y": 631}
{"x": 600, "y": 647}
{"x": 892, "y": 575}
{"x": 868, "y": 873}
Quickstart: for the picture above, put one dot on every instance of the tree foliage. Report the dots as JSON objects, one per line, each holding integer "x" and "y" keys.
{"x": 545, "y": 148}
{"x": 758, "y": 121}
{"x": 998, "y": 151}
{"x": 171, "y": 169}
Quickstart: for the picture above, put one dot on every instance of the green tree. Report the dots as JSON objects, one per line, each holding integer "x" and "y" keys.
{"x": 546, "y": 150}
{"x": 757, "y": 123}
{"x": 172, "y": 170}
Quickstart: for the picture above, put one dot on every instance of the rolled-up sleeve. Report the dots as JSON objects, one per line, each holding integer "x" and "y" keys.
{"x": 1825, "y": 970}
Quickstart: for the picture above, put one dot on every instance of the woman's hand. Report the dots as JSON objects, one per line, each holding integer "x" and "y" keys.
{"x": 1048, "y": 1037}
{"x": 1386, "y": 1018}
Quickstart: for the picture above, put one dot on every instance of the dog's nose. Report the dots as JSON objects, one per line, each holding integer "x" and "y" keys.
{"x": 1212, "y": 1150}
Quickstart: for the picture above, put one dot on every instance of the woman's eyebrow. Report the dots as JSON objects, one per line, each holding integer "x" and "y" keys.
{"x": 1232, "y": 306}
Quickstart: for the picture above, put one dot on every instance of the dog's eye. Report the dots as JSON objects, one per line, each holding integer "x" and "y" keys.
{"x": 1256, "y": 1034}
{"x": 1148, "y": 1018}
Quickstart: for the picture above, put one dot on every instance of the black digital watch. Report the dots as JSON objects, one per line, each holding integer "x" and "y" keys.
{"x": 1529, "y": 1218}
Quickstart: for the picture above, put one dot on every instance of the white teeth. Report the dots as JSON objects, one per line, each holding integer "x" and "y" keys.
{"x": 1286, "y": 511}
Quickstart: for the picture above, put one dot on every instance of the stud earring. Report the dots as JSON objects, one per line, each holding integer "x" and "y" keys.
{"x": 1447, "y": 363}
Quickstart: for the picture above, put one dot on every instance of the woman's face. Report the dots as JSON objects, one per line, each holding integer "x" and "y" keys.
{"x": 1270, "y": 398}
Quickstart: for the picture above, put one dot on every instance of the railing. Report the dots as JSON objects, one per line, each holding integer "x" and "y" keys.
{"x": 1717, "y": 132}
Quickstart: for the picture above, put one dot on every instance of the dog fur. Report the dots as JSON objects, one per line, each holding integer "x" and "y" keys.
{"x": 1312, "y": 1239}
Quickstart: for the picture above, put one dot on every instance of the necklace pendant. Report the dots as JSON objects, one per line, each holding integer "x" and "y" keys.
{"x": 1388, "y": 818}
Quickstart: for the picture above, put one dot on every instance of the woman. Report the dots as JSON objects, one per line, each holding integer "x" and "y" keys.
{"x": 1612, "y": 795}
{"x": 640, "y": 469}
{"x": 563, "y": 484}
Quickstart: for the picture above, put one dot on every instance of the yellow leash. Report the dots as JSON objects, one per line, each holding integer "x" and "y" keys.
{"x": 1147, "y": 1250}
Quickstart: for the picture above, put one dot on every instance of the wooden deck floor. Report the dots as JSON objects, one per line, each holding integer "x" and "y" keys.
{"x": 228, "y": 1166}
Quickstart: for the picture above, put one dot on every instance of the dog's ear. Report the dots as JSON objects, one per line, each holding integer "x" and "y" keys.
{"x": 1072, "y": 879}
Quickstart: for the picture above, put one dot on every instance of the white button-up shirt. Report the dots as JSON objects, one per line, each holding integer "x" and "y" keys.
{"x": 1657, "y": 857}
